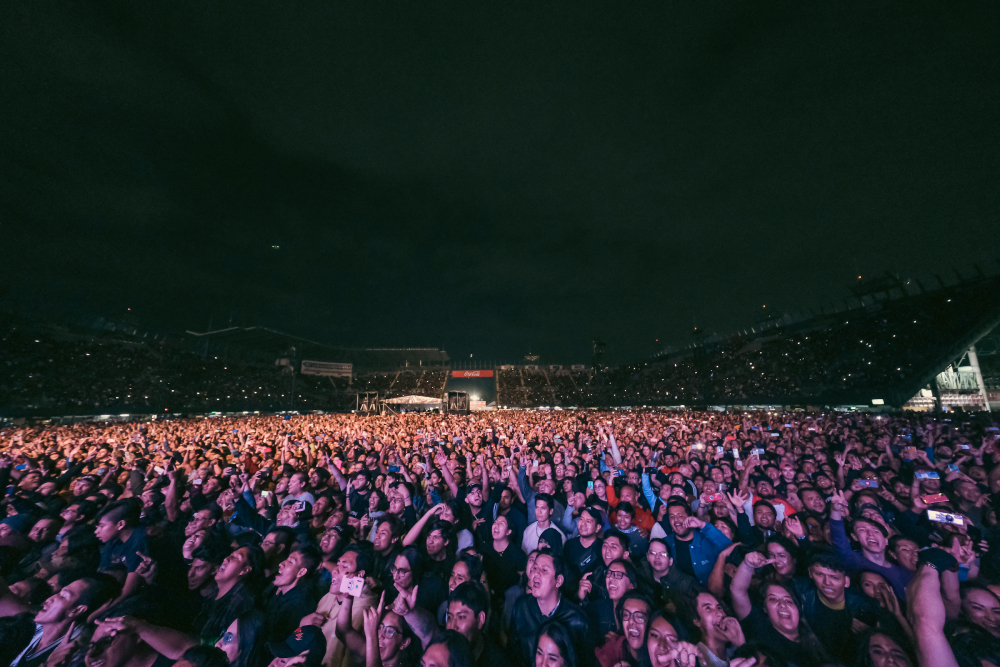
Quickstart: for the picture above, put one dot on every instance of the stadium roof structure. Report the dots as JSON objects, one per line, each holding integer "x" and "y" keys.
{"x": 272, "y": 344}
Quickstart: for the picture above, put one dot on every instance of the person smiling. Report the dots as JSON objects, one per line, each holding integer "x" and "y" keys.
{"x": 779, "y": 622}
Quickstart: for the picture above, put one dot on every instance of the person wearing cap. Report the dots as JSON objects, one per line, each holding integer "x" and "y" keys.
{"x": 291, "y": 596}
{"x": 305, "y": 640}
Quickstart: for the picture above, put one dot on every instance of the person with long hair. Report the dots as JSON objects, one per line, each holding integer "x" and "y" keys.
{"x": 877, "y": 648}
{"x": 554, "y": 646}
{"x": 625, "y": 649}
{"x": 242, "y": 640}
{"x": 778, "y": 620}
{"x": 664, "y": 646}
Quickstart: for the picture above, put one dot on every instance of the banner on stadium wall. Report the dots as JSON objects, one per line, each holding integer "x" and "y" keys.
{"x": 327, "y": 369}
{"x": 472, "y": 374}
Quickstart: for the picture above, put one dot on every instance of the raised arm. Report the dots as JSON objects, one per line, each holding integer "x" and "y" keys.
{"x": 346, "y": 633}
{"x": 449, "y": 479}
{"x": 740, "y": 586}
{"x": 926, "y": 611}
{"x": 414, "y": 533}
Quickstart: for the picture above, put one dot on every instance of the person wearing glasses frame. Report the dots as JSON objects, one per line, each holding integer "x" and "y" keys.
{"x": 624, "y": 649}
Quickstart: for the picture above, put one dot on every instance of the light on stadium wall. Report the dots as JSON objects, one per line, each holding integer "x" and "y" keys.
{"x": 878, "y": 401}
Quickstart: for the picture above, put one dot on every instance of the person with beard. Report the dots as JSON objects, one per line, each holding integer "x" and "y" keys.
{"x": 277, "y": 544}
{"x": 694, "y": 544}
{"x": 353, "y": 562}
{"x": 543, "y": 603}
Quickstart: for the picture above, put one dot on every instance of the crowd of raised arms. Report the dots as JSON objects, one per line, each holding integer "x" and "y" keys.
{"x": 552, "y": 539}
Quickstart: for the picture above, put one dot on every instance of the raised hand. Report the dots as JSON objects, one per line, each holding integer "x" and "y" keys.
{"x": 839, "y": 502}
{"x": 406, "y": 601}
{"x": 738, "y": 499}
{"x": 794, "y": 526}
{"x": 585, "y": 586}
{"x": 757, "y": 560}
{"x": 146, "y": 569}
{"x": 694, "y": 522}
{"x": 730, "y": 629}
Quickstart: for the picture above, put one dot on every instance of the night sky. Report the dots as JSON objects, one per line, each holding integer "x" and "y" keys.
{"x": 492, "y": 181}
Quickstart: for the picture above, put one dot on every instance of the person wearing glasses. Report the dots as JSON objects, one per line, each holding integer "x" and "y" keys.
{"x": 626, "y": 649}
{"x": 668, "y": 582}
{"x": 386, "y": 633}
{"x": 619, "y": 579}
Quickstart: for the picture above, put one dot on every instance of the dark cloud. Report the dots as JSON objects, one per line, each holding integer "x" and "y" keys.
{"x": 489, "y": 180}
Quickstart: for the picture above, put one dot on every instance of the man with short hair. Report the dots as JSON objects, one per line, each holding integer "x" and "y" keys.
{"x": 542, "y": 603}
{"x": 695, "y": 545}
{"x": 545, "y": 506}
{"x": 277, "y": 543}
{"x": 873, "y": 539}
{"x": 70, "y": 606}
{"x": 124, "y": 541}
{"x": 448, "y": 648}
{"x": 583, "y": 552}
{"x": 467, "y": 608}
{"x": 834, "y": 609}
{"x": 353, "y": 562}
{"x": 290, "y": 597}
{"x": 624, "y": 515}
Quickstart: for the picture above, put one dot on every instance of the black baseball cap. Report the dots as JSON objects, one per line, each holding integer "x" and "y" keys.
{"x": 307, "y": 638}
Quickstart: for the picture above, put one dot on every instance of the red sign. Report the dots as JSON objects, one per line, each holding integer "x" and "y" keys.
{"x": 472, "y": 374}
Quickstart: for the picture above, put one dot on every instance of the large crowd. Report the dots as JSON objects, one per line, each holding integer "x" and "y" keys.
{"x": 552, "y": 539}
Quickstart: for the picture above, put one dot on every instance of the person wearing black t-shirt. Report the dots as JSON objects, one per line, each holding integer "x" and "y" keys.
{"x": 503, "y": 560}
{"x": 583, "y": 553}
{"x": 778, "y": 622}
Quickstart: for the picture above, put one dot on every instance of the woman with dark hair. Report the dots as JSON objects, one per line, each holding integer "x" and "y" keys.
{"x": 777, "y": 620}
{"x": 408, "y": 572}
{"x": 242, "y": 641}
{"x": 386, "y": 631}
{"x": 619, "y": 579}
{"x": 664, "y": 645}
{"x": 784, "y": 555}
{"x": 554, "y": 646}
{"x": 877, "y": 648}
{"x": 632, "y": 613}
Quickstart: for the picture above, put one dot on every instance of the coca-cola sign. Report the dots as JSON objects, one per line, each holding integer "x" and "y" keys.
{"x": 472, "y": 374}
